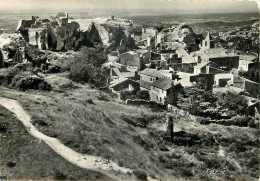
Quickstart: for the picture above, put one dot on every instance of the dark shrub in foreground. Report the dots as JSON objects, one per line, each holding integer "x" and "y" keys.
{"x": 140, "y": 175}
{"x": 29, "y": 82}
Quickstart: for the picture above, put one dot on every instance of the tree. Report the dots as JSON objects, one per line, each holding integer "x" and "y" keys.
{"x": 233, "y": 102}
{"x": 198, "y": 100}
{"x": 86, "y": 67}
{"x": 173, "y": 96}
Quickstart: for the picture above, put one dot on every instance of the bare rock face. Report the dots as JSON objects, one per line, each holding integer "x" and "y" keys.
{"x": 61, "y": 34}
{"x": 109, "y": 32}
{"x": 54, "y": 34}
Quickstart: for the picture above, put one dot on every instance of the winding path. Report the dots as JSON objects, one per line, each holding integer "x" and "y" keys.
{"x": 84, "y": 161}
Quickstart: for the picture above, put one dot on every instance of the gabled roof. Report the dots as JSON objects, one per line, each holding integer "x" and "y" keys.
{"x": 151, "y": 72}
{"x": 163, "y": 83}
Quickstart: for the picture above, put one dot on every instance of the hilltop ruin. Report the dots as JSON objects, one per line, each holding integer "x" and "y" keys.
{"x": 60, "y": 33}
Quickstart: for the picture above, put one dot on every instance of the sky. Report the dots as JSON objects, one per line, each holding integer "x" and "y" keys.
{"x": 179, "y": 6}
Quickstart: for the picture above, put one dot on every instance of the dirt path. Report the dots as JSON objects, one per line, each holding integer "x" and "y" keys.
{"x": 84, "y": 161}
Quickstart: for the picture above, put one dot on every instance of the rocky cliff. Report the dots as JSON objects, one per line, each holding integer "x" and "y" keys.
{"x": 61, "y": 34}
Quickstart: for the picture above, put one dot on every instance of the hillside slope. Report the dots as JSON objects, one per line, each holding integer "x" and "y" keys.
{"x": 94, "y": 123}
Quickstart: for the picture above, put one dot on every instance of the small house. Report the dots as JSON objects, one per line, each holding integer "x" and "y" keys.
{"x": 160, "y": 90}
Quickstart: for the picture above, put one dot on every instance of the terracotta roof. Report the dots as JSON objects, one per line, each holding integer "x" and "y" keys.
{"x": 162, "y": 83}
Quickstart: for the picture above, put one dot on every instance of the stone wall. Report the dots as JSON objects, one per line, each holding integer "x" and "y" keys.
{"x": 139, "y": 102}
{"x": 131, "y": 59}
{"x": 1, "y": 59}
{"x": 228, "y": 62}
{"x": 207, "y": 78}
{"x": 252, "y": 88}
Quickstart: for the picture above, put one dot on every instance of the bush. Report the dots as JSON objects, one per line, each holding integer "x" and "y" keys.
{"x": 103, "y": 97}
{"x": 86, "y": 67}
{"x": 186, "y": 173}
{"x": 53, "y": 69}
{"x": 25, "y": 82}
{"x": 89, "y": 101}
{"x": 140, "y": 175}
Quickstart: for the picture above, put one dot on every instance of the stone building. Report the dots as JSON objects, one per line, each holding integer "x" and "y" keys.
{"x": 149, "y": 32}
{"x": 222, "y": 58}
{"x": 221, "y": 80}
{"x": 132, "y": 58}
{"x": 160, "y": 90}
{"x": 148, "y": 76}
{"x": 245, "y": 60}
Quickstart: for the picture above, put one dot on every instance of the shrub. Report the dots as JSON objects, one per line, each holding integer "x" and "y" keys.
{"x": 89, "y": 101}
{"x": 11, "y": 164}
{"x": 186, "y": 173}
{"x": 24, "y": 82}
{"x": 86, "y": 67}
{"x": 140, "y": 175}
{"x": 53, "y": 69}
{"x": 103, "y": 97}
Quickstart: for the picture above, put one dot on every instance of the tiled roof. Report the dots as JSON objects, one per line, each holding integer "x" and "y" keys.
{"x": 146, "y": 85}
{"x": 151, "y": 72}
{"x": 162, "y": 83}
{"x": 249, "y": 58}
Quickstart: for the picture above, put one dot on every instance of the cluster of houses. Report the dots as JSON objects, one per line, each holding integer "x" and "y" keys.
{"x": 176, "y": 55}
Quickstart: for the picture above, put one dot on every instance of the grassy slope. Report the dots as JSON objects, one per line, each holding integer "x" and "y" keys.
{"x": 24, "y": 157}
{"x": 107, "y": 129}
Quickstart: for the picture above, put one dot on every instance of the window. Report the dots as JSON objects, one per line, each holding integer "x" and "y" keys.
{"x": 206, "y": 43}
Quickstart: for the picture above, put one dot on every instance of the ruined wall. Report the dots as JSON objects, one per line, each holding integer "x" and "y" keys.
{"x": 228, "y": 62}
{"x": 207, "y": 78}
{"x": 169, "y": 127}
{"x": 131, "y": 59}
{"x": 1, "y": 59}
{"x": 126, "y": 84}
{"x": 139, "y": 102}
{"x": 252, "y": 88}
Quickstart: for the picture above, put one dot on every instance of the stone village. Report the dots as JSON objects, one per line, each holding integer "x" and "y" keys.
{"x": 153, "y": 61}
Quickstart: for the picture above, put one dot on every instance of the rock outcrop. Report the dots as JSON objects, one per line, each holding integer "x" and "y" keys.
{"x": 109, "y": 32}
{"x": 182, "y": 33}
{"x": 61, "y": 34}
{"x": 55, "y": 34}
